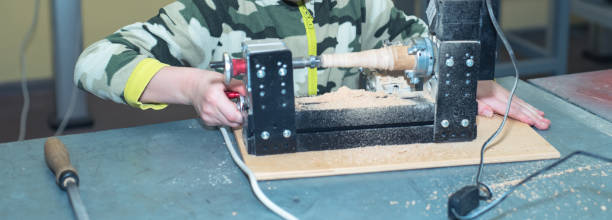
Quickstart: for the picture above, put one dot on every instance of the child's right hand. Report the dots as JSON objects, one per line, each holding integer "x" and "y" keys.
{"x": 203, "y": 89}
{"x": 209, "y": 99}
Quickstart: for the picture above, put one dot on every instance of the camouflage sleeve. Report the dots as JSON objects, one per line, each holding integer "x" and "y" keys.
{"x": 385, "y": 22}
{"x": 177, "y": 36}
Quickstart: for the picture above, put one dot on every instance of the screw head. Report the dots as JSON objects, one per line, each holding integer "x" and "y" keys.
{"x": 262, "y": 93}
{"x": 469, "y": 62}
{"x": 261, "y": 73}
{"x": 450, "y": 62}
{"x": 283, "y": 84}
{"x": 445, "y": 123}
{"x": 465, "y": 123}
{"x": 287, "y": 133}
{"x": 283, "y": 91}
{"x": 282, "y": 72}
{"x": 265, "y": 135}
{"x": 279, "y": 63}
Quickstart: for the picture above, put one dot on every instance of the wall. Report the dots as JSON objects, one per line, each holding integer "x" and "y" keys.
{"x": 100, "y": 18}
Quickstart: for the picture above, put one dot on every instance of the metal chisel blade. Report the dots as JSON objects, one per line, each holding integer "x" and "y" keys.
{"x": 75, "y": 200}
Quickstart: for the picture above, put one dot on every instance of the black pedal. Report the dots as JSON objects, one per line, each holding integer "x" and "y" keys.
{"x": 463, "y": 201}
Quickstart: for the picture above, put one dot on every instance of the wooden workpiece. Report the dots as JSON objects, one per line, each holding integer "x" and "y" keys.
{"x": 386, "y": 58}
{"x": 518, "y": 142}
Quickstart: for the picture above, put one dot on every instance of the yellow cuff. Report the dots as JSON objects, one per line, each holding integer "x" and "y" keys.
{"x": 138, "y": 81}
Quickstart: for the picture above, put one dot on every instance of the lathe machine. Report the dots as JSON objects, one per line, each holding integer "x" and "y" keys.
{"x": 442, "y": 70}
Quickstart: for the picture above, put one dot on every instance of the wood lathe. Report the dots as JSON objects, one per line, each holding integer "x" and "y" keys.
{"x": 442, "y": 70}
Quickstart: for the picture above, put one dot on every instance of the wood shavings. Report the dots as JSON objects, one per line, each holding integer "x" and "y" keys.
{"x": 393, "y": 202}
{"x": 549, "y": 175}
{"x": 345, "y": 98}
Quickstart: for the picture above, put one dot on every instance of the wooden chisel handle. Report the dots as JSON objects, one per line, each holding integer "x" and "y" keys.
{"x": 58, "y": 160}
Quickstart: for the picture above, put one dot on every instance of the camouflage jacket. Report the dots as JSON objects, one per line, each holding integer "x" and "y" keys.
{"x": 195, "y": 32}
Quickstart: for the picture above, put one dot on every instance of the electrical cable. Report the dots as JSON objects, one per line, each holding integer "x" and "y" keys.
{"x": 481, "y": 186}
{"x": 516, "y": 77}
{"x": 68, "y": 113}
{"x": 24, "y": 81}
{"x": 24, "y": 84}
{"x": 496, "y": 202}
{"x": 254, "y": 185}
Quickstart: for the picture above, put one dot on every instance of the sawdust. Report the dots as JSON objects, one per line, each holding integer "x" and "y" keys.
{"x": 549, "y": 175}
{"x": 393, "y": 202}
{"x": 345, "y": 98}
{"x": 234, "y": 213}
{"x": 603, "y": 208}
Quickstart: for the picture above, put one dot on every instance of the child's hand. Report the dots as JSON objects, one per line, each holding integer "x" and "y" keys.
{"x": 203, "y": 89}
{"x": 492, "y": 98}
{"x": 208, "y": 97}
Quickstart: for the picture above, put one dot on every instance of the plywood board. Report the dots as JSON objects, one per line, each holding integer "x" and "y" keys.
{"x": 518, "y": 142}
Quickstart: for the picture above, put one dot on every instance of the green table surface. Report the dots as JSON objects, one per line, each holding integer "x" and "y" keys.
{"x": 181, "y": 170}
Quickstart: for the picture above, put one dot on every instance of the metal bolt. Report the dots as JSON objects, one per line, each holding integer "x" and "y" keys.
{"x": 283, "y": 91}
{"x": 257, "y": 66}
{"x": 450, "y": 62}
{"x": 262, "y": 93}
{"x": 469, "y": 62}
{"x": 465, "y": 122}
{"x": 287, "y": 133}
{"x": 283, "y": 84}
{"x": 468, "y": 74}
{"x": 447, "y": 82}
{"x": 261, "y": 86}
{"x": 279, "y": 63}
{"x": 284, "y": 65}
{"x": 445, "y": 123}
{"x": 284, "y": 104}
{"x": 467, "y": 81}
{"x": 261, "y": 74}
{"x": 265, "y": 135}
{"x": 282, "y": 72}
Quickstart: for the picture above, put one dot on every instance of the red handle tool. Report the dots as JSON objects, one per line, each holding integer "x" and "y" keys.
{"x": 232, "y": 94}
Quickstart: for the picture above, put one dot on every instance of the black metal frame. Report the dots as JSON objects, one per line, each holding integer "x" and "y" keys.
{"x": 460, "y": 36}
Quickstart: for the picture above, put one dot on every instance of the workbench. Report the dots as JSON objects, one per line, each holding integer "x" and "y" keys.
{"x": 182, "y": 170}
{"x": 591, "y": 91}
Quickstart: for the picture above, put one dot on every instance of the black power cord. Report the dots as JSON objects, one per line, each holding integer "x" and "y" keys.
{"x": 467, "y": 199}
{"x": 461, "y": 204}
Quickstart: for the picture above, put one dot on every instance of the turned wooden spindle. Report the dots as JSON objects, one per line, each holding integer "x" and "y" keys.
{"x": 386, "y": 58}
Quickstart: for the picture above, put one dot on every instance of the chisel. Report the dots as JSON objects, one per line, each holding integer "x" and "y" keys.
{"x": 66, "y": 176}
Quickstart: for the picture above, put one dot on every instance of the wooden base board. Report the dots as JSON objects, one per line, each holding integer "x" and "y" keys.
{"x": 518, "y": 142}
